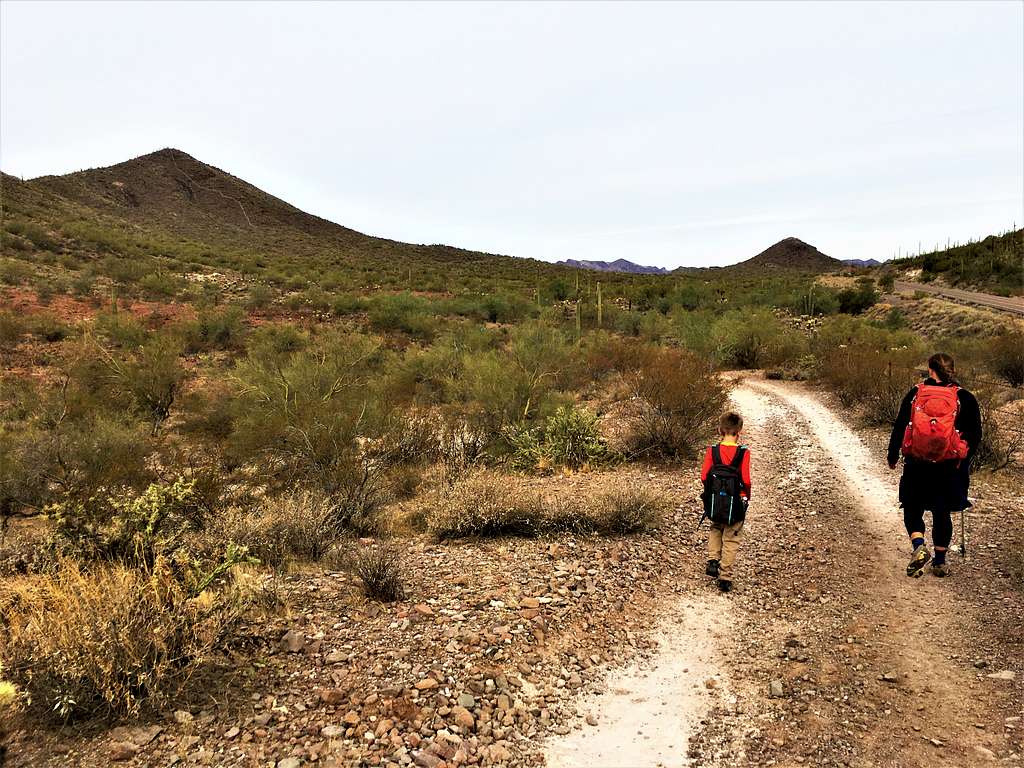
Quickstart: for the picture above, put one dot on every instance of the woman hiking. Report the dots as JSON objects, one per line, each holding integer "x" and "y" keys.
{"x": 938, "y": 430}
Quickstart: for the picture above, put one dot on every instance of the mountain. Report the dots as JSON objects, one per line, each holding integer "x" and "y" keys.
{"x": 619, "y": 265}
{"x": 862, "y": 262}
{"x": 169, "y": 212}
{"x": 791, "y": 254}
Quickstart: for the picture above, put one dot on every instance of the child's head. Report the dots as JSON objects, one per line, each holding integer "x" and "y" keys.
{"x": 730, "y": 424}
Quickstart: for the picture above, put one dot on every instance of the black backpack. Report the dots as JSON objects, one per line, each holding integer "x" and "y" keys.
{"x": 722, "y": 500}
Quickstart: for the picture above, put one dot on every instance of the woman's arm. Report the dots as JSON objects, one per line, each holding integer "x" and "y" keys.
{"x": 899, "y": 427}
{"x": 969, "y": 421}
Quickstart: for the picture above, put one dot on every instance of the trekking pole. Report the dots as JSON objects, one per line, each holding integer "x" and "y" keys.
{"x": 963, "y": 533}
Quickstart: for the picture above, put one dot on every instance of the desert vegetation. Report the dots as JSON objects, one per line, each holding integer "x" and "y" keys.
{"x": 188, "y": 418}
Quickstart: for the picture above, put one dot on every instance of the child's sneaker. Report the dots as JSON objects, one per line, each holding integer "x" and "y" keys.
{"x": 921, "y": 557}
{"x": 725, "y": 585}
{"x": 940, "y": 569}
{"x": 712, "y": 569}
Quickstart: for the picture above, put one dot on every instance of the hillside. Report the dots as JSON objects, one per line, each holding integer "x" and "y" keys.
{"x": 792, "y": 254}
{"x": 181, "y": 211}
{"x": 619, "y": 265}
{"x": 994, "y": 264}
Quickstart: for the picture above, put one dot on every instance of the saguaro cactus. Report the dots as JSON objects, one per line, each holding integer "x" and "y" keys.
{"x": 600, "y": 315}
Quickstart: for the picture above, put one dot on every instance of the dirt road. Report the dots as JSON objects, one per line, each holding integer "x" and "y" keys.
{"x": 1013, "y": 304}
{"x": 826, "y": 653}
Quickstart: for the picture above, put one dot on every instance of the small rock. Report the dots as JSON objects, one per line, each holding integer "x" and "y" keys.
{"x": 293, "y": 641}
{"x": 230, "y": 733}
{"x": 984, "y": 752}
{"x": 335, "y": 657}
{"x": 980, "y": 664}
{"x": 463, "y": 718}
{"x": 426, "y": 759}
{"x": 333, "y": 696}
{"x": 467, "y": 700}
{"x": 289, "y": 762}
{"x": 332, "y": 731}
{"x": 775, "y": 689}
{"x": 424, "y": 610}
{"x": 711, "y": 683}
{"x": 936, "y": 742}
{"x": 1006, "y": 674}
{"x": 426, "y": 684}
{"x": 591, "y": 719}
{"x": 889, "y": 677}
{"x": 122, "y": 750}
{"x": 182, "y": 717}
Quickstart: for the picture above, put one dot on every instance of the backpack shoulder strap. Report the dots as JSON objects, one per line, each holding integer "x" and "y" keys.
{"x": 716, "y": 454}
{"x": 737, "y": 460}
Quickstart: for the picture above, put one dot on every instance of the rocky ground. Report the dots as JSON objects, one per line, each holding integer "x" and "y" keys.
{"x": 522, "y": 652}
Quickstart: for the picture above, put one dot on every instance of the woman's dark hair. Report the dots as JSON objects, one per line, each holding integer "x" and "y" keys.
{"x": 942, "y": 364}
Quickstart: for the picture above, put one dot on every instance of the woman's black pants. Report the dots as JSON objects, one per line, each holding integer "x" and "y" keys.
{"x": 942, "y": 525}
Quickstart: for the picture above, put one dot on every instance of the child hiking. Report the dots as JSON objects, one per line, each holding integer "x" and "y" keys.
{"x": 726, "y": 478}
{"x": 938, "y": 430}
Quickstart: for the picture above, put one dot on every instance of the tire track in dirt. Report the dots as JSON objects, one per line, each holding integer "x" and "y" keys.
{"x": 907, "y": 627}
{"x": 873, "y": 667}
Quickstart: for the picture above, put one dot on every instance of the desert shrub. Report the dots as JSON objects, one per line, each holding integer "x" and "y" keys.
{"x": 260, "y": 297}
{"x": 751, "y": 340}
{"x": 77, "y": 456}
{"x": 120, "y": 329}
{"x": 48, "y": 328}
{"x": 313, "y": 417}
{"x": 621, "y": 511}
{"x": 133, "y": 529}
{"x": 677, "y": 397}
{"x": 628, "y": 511}
{"x": 13, "y": 272}
{"x": 569, "y": 438}
{"x": 485, "y": 503}
{"x": 1002, "y": 439}
{"x": 161, "y": 284}
{"x": 873, "y": 380}
{"x": 151, "y": 376}
{"x": 215, "y": 329}
{"x": 404, "y": 313}
{"x": 379, "y": 569}
{"x": 1005, "y": 357}
{"x": 12, "y": 329}
{"x": 605, "y": 352}
{"x": 298, "y": 526}
{"x": 207, "y": 413}
{"x": 105, "y": 640}
{"x": 853, "y": 301}
{"x": 348, "y": 304}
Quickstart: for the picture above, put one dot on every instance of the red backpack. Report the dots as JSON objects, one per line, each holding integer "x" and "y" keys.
{"x": 931, "y": 434}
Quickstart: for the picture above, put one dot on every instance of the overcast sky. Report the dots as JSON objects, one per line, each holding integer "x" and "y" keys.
{"x": 668, "y": 134}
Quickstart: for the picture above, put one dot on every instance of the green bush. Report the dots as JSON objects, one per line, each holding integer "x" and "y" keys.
{"x": 215, "y": 329}
{"x": 854, "y": 301}
{"x": 13, "y": 329}
{"x": 127, "y": 528}
{"x": 403, "y": 313}
{"x": 570, "y": 438}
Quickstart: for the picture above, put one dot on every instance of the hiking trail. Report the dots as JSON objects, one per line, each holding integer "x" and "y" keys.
{"x": 825, "y": 651}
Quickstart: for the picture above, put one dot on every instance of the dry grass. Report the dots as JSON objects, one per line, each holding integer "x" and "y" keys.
{"x": 379, "y": 569}
{"x": 101, "y": 642}
{"x": 487, "y": 503}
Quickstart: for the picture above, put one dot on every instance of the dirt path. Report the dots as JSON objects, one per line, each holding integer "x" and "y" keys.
{"x": 831, "y": 655}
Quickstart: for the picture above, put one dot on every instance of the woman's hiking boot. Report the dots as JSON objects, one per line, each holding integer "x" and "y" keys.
{"x": 940, "y": 569}
{"x": 921, "y": 558}
{"x": 712, "y": 569}
{"x": 725, "y": 585}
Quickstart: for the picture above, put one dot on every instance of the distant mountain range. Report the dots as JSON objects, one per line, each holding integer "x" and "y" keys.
{"x": 619, "y": 265}
{"x": 790, "y": 253}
